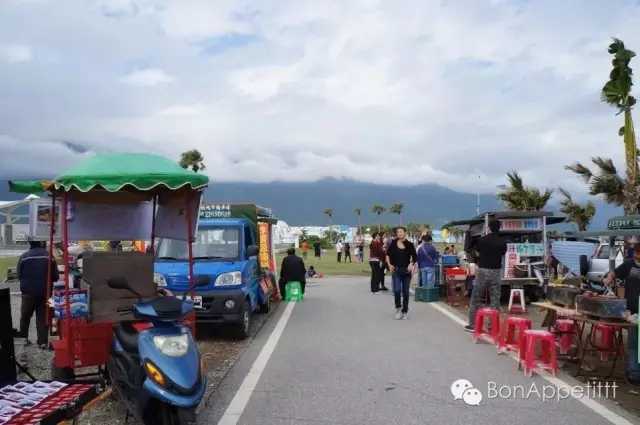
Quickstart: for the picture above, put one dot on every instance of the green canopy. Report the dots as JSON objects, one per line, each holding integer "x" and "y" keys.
{"x": 114, "y": 172}
{"x": 28, "y": 186}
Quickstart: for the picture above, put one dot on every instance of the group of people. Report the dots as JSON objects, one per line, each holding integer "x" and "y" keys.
{"x": 402, "y": 259}
{"x": 343, "y": 251}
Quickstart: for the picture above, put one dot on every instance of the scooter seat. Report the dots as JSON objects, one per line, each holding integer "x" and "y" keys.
{"x": 127, "y": 336}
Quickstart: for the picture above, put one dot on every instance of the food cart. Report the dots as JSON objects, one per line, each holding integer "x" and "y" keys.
{"x": 524, "y": 264}
{"x": 110, "y": 197}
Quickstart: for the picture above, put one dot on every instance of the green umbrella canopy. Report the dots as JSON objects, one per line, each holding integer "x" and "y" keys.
{"x": 114, "y": 172}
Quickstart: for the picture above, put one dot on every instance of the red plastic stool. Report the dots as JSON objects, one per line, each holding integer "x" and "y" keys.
{"x": 517, "y": 304}
{"x": 602, "y": 338}
{"x": 565, "y": 331}
{"x": 491, "y": 335}
{"x": 512, "y": 333}
{"x": 528, "y": 359}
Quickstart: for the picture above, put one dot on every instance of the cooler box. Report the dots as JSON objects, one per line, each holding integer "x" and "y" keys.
{"x": 450, "y": 260}
{"x": 428, "y": 295}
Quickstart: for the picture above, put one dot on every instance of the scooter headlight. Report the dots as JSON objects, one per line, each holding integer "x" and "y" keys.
{"x": 229, "y": 278}
{"x": 173, "y": 346}
{"x": 159, "y": 280}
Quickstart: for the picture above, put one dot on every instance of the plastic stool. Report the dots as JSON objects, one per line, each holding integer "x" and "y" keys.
{"x": 493, "y": 333}
{"x": 602, "y": 338}
{"x": 519, "y": 295}
{"x": 512, "y": 333}
{"x": 527, "y": 357}
{"x": 293, "y": 292}
{"x": 565, "y": 331}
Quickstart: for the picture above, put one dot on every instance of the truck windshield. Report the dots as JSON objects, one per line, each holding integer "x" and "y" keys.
{"x": 210, "y": 243}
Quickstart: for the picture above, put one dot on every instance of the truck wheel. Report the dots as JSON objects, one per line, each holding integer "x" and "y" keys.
{"x": 242, "y": 328}
{"x": 266, "y": 306}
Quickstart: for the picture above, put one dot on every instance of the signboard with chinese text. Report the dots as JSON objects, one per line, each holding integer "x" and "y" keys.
{"x": 521, "y": 225}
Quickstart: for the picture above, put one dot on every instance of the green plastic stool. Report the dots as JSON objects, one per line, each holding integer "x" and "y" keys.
{"x": 293, "y": 292}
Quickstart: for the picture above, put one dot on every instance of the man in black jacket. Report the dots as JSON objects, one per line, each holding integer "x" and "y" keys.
{"x": 491, "y": 248}
{"x": 33, "y": 273}
{"x": 292, "y": 270}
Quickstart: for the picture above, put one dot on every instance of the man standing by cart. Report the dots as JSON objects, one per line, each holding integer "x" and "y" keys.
{"x": 33, "y": 269}
{"x": 629, "y": 271}
{"x": 491, "y": 248}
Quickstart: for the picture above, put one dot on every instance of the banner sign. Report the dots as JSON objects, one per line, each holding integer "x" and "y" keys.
{"x": 625, "y": 222}
{"x": 40, "y": 220}
{"x": 521, "y": 224}
{"x": 215, "y": 211}
{"x": 515, "y": 254}
{"x": 264, "y": 241}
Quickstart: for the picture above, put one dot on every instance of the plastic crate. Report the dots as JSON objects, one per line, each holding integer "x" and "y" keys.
{"x": 293, "y": 292}
{"x": 427, "y": 295}
{"x": 455, "y": 273}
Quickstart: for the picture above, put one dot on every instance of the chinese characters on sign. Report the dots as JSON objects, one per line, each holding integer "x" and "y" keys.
{"x": 215, "y": 211}
{"x": 263, "y": 249}
{"x": 516, "y": 252}
{"x": 625, "y": 222}
{"x": 521, "y": 224}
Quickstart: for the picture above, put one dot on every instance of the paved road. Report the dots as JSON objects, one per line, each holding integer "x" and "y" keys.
{"x": 342, "y": 359}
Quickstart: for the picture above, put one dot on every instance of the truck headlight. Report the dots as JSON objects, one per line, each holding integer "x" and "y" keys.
{"x": 228, "y": 279}
{"x": 172, "y": 346}
{"x": 159, "y": 279}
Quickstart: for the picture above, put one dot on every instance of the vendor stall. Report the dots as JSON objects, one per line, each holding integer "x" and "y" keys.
{"x": 112, "y": 197}
{"x": 527, "y": 250}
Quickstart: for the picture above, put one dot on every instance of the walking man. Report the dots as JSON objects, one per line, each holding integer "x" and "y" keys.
{"x": 339, "y": 248}
{"x": 491, "y": 248}
{"x": 347, "y": 252}
{"x": 401, "y": 258}
{"x": 292, "y": 270}
{"x": 33, "y": 269}
{"x": 427, "y": 261}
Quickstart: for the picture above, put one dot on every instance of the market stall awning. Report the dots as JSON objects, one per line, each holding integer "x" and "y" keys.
{"x": 114, "y": 172}
{"x": 506, "y": 215}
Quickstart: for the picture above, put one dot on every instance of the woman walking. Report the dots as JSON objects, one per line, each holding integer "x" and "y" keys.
{"x": 376, "y": 256}
{"x": 401, "y": 259}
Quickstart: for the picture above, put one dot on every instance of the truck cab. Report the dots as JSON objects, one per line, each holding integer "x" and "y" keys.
{"x": 226, "y": 270}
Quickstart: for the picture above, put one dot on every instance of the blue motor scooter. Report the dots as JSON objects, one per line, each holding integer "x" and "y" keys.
{"x": 155, "y": 366}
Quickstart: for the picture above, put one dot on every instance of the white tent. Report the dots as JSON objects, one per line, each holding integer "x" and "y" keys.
{"x": 8, "y": 208}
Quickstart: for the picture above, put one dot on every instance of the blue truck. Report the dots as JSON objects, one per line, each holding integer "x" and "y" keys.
{"x": 234, "y": 265}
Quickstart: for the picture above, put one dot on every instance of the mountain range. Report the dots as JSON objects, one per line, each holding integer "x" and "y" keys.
{"x": 303, "y": 203}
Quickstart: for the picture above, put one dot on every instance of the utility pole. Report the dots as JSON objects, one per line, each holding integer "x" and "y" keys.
{"x": 478, "y": 198}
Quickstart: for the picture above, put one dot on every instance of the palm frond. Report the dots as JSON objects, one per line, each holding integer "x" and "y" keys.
{"x": 605, "y": 165}
{"x": 581, "y": 171}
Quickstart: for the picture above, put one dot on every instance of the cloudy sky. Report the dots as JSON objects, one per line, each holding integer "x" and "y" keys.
{"x": 453, "y": 92}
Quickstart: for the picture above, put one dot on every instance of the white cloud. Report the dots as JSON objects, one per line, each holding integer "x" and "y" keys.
{"x": 454, "y": 93}
{"x": 17, "y": 53}
{"x": 147, "y": 77}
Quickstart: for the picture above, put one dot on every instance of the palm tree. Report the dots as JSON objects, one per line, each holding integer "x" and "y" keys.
{"x": 329, "y": 213}
{"x": 519, "y": 197}
{"x": 192, "y": 159}
{"x": 378, "y": 210}
{"x": 607, "y": 182}
{"x": 358, "y": 212}
{"x": 397, "y": 209}
{"x": 581, "y": 215}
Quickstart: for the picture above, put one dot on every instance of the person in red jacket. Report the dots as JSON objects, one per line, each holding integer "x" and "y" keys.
{"x": 376, "y": 257}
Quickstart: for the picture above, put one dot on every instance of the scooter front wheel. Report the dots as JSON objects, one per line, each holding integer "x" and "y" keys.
{"x": 170, "y": 415}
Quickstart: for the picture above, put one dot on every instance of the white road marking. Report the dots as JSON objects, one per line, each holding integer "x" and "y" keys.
{"x": 241, "y": 399}
{"x": 598, "y": 408}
